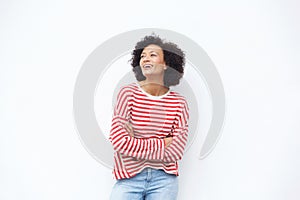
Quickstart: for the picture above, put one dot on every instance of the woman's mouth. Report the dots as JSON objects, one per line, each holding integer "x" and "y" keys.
{"x": 147, "y": 66}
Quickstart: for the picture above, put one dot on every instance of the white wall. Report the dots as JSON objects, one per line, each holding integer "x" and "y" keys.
{"x": 254, "y": 45}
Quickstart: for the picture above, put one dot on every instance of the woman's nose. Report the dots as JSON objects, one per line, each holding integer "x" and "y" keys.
{"x": 145, "y": 59}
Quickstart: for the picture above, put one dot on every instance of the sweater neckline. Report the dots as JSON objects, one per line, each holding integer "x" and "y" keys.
{"x": 152, "y": 96}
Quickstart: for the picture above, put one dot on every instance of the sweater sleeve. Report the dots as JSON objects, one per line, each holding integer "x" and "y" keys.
{"x": 122, "y": 142}
{"x": 175, "y": 151}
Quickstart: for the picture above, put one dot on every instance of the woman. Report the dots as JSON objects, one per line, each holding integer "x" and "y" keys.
{"x": 150, "y": 124}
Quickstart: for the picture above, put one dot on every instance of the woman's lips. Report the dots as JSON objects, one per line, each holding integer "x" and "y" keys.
{"x": 147, "y": 66}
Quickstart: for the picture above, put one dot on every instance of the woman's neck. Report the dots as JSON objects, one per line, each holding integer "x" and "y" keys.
{"x": 154, "y": 88}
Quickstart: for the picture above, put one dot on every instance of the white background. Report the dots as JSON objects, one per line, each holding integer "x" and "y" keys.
{"x": 254, "y": 45}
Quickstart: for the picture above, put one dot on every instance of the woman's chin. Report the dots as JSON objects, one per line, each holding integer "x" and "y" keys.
{"x": 147, "y": 74}
{"x": 150, "y": 74}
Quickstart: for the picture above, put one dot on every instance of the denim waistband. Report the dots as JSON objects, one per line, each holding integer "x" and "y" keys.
{"x": 149, "y": 170}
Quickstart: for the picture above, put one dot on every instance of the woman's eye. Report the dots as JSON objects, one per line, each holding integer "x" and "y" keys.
{"x": 153, "y": 54}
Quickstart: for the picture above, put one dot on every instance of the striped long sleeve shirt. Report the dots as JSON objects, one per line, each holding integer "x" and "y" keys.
{"x": 152, "y": 118}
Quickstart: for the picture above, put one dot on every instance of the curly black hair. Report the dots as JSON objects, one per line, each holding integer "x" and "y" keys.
{"x": 174, "y": 58}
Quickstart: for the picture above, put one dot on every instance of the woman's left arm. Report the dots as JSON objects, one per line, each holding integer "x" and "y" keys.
{"x": 175, "y": 150}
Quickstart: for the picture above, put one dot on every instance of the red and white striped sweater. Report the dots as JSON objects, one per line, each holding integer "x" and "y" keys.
{"x": 152, "y": 118}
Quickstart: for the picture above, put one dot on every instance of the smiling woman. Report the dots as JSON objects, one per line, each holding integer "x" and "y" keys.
{"x": 173, "y": 58}
{"x": 152, "y": 60}
{"x": 149, "y": 128}
{"x": 153, "y": 66}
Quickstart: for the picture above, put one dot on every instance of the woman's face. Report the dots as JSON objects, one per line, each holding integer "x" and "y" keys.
{"x": 152, "y": 61}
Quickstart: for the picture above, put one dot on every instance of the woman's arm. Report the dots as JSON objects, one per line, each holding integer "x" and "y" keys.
{"x": 123, "y": 142}
{"x": 180, "y": 135}
{"x": 175, "y": 145}
{"x": 129, "y": 129}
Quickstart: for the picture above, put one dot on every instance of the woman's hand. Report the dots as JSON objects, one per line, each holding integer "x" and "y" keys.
{"x": 129, "y": 129}
{"x": 168, "y": 141}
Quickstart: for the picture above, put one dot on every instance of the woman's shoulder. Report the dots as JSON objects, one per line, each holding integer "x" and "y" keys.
{"x": 128, "y": 88}
{"x": 181, "y": 99}
{"x": 177, "y": 95}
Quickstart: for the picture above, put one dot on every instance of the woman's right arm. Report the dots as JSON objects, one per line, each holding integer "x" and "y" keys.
{"x": 150, "y": 149}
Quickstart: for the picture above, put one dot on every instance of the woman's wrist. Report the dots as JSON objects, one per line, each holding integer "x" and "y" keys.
{"x": 168, "y": 141}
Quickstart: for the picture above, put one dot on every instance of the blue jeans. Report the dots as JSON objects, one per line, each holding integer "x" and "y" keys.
{"x": 150, "y": 184}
